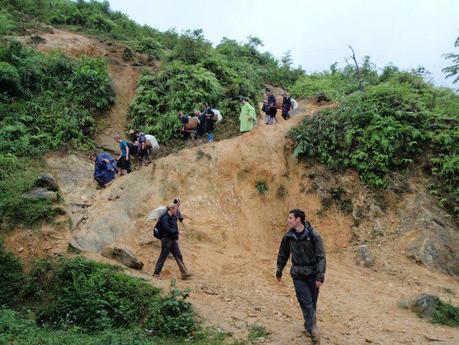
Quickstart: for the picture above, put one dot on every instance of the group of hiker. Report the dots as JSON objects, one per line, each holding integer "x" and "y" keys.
{"x": 199, "y": 123}
{"x": 248, "y": 116}
{"x": 106, "y": 167}
{"x": 196, "y": 126}
{"x": 270, "y": 107}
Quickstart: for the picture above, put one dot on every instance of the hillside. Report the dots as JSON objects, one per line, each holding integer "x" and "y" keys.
{"x": 232, "y": 231}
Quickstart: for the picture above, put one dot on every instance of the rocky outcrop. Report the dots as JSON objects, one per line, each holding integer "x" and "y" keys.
{"x": 432, "y": 237}
{"x": 39, "y": 193}
{"x": 123, "y": 255}
{"x": 425, "y": 305}
{"x": 45, "y": 188}
{"x": 47, "y": 181}
{"x": 364, "y": 257}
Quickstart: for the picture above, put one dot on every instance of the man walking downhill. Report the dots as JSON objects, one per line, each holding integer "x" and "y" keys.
{"x": 169, "y": 242}
{"x": 306, "y": 249}
{"x": 286, "y": 105}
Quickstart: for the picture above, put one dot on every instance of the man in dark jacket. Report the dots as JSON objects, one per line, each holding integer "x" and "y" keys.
{"x": 271, "y": 107}
{"x": 169, "y": 242}
{"x": 286, "y": 105}
{"x": 209, "y": 122}
{"x": 306, "y": 249}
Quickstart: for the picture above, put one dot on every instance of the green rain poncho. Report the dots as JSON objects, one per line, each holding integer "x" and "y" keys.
{"x": 248, "y": 117}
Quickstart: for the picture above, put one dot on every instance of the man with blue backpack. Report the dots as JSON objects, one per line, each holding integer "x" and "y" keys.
{"x": 305, "y": 247}
{"x": 166, "y": 230}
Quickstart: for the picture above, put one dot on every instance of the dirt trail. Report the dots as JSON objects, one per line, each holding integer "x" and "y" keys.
{"x": 231, "y": 237}
{"x": 125, "y": 79}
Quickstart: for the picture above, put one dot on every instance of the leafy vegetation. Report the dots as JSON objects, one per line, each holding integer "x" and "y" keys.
{"x": 261, "y": 186}
{"x": 78, "y": 301}
{"x": 11, "y": 277}
{"x": 22, "y": 330}
{"x": 446, "y": 314}
{"x": 453, "y": 70}
{"x": 47, "y": 102}
{"x": 195, "y": 72}
{"x": 398, "y": 120}
{"x": 335, "y": 83}
{"x": 214, "y": 75}
{"x": 89, "y": 295}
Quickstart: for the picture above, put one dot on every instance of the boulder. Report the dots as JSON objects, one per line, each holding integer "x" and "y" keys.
{"x": 39, "y": 193}
{"x": 322, "y": 97}
{"x": 364, "y": 256}
{"x": 431, "y": 234}
{"x": 107, "y": 252}
{"x": 123, "y": 255}
{"x": 47, "y": 181}
{"x": 75, "y": 247}
{"x": 425, "y": 305}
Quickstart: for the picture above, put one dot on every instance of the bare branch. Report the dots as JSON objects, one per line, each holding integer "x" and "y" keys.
{"x": 357, "y": 69}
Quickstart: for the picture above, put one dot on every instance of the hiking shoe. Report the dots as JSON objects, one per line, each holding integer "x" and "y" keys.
{"x": 156, "y": 276}
{"x": 315, "y": 333}
{"x": 186, "y": 276}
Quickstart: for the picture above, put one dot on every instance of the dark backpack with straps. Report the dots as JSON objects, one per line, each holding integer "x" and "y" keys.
{"x": 157, "y": 231}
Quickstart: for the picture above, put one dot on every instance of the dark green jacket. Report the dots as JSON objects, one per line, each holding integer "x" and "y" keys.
{"x": 307, "y": 252}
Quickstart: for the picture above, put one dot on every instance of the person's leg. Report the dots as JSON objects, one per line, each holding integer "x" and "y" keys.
{"x": 315, "y": 333}
{"x": 175, "y": 250}
{"x": 314, "y": 292}
{"x": 165, "y": 248}
{"x": 304, "y": 296}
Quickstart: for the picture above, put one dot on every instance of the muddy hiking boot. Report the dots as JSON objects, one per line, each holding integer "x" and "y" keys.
{"x": 315, "y": 333}
{"x": 186, "y": 276}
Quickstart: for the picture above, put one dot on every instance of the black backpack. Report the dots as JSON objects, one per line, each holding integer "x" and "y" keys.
{"x": 157, "y": 231}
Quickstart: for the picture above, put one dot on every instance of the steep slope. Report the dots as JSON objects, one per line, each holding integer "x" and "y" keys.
{"x": 231, "y": 236}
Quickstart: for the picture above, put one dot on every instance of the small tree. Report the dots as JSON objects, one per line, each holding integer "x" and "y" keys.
{"x": 453, "y": 70}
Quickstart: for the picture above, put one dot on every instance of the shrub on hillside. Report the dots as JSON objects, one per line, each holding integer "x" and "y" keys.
{"x": 160, "y": 96}
{"x": 11, "y": 278}
{"x": 386, "y": 128}
{"x": 90, "y": 295}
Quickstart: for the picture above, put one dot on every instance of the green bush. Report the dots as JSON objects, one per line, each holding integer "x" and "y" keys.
{"x": 8, "y": 165}
{"x": 18, "y": 177}
{"x": 6, "y": 22}
{"x": 10, "y": 81}
{"x": 19, "y": 329}
{"x": 446, "y": 314}
{"x": 52, "y": 102}
{"x": 261, "y": 186}
{"x": 160, "y": 96}
{"x": 90, "y": 85}
{"x": 388, "y": 127}
{"x": 90, "y": 295}
{"x": 49, "y": 102}
{"x": 373, "y": 132}
{"x": 174, "y": 316}
{"x": 11, "y": 278}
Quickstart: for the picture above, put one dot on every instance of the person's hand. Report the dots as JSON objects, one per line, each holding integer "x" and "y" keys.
{"x": 127, "y": 158}
{"x": 318, "y": 284}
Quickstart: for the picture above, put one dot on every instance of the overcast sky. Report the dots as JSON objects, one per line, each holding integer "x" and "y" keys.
{"x": 408, "y": 33}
